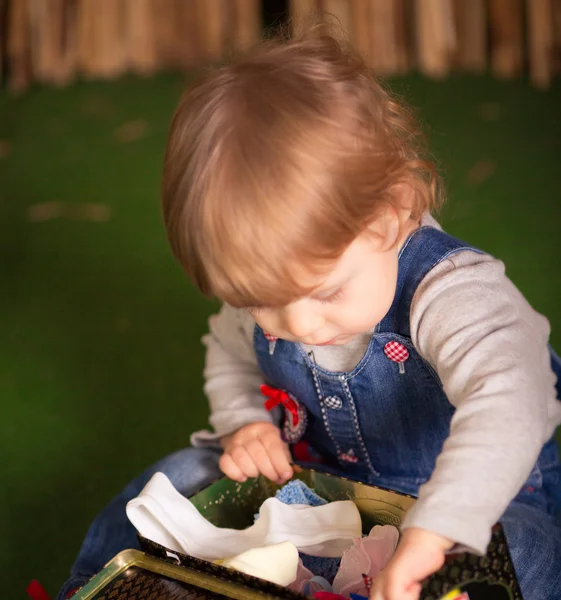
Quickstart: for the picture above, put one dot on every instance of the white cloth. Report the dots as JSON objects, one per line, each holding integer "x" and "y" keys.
{"x": 277, "y": 563}
{"x": 161, "y": 514}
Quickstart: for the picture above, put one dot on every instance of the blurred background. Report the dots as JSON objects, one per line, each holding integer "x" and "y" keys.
{"x": 101, "y": 358}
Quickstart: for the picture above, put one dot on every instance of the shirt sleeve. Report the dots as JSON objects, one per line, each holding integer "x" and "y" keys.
{"x": 489, "y": 348}
{"x": 232, "y": 376}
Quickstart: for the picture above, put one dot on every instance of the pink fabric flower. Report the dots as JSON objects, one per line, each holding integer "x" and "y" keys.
{"x": 368, "y": 556}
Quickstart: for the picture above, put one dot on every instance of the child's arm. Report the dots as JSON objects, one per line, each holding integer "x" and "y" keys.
{"x": 242, "y": 426}
{"x": 489, "y": 348}
{"x": 232, "y": 377}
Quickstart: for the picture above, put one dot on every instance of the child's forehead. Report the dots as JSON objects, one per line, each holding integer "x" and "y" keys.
{"x": 299, "y": 280}
{"x": 325, "y": 276}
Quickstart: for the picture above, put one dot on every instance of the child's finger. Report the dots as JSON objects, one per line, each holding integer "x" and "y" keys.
{"x": 243, "y": 460}
{"x": 414, "y": 592}
{"x": 280, "y": 457}
{"x": 230, "y": 468}
{"x": 401, "y": 594}
{"x": 390, "y": 586}
{"x": 262, "y": 459}
{"x": 279, "y": 453}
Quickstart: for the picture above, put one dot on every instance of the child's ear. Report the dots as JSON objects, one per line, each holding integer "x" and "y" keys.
{"x": 387, "y": 226}
{"x": 404, "y": 197}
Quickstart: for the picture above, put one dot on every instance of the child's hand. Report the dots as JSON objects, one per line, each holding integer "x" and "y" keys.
{"x": 420, "y": 553}
{"x": 253, "y": 449}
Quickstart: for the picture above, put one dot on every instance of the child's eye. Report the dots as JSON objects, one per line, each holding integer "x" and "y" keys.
{"x": 255, "y": 310}
{"x": 333, "y": 297}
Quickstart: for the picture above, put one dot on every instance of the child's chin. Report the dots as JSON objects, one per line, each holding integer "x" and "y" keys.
{"x": 341, "y": 341}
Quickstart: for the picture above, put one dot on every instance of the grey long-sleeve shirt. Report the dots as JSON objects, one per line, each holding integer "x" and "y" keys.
{"x": 489, "y": 348}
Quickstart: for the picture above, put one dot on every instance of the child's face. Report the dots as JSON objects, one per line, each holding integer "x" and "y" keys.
{"x": 354, "y": 298}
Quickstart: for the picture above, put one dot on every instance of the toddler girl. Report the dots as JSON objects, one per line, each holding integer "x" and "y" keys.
{"x": 295, "y": 190}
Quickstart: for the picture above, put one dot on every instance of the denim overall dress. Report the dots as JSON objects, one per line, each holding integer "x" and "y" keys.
{"x": 384, "y": 422}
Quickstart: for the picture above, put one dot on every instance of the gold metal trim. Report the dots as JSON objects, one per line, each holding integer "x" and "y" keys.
{"x": 134, "y": 558}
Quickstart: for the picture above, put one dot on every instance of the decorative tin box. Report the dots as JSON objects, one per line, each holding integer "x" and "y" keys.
{"x": 166, "y": 575}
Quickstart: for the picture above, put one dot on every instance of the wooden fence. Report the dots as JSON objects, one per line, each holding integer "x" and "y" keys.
{"x": 54, "y": 41}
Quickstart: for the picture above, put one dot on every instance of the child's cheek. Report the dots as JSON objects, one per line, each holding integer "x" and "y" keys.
{"x": 363, "y": 316}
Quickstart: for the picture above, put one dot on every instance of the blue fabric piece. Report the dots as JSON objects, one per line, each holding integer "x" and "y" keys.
{"x": 324, "y": 567}
{"x": 297, "y": 492}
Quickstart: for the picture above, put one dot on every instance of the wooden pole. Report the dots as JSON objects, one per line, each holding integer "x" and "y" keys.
{"x": 360, "y": 15}
{"x": 377, "y": 30}
{"x": 86, "y": 21}
{"x": 40, "y": 17}
{"x": 556, "y": 36}
{"x": 383, "y": 40}
{"x": 176, "y": 33}
{"x": 165, "y": 27}
{"x": 187, "y": 34}
{"x": 424, "y": 36}
{"x": 556, "y": 8}
{"x": 3, "y": 36}
{"x": 300, "y": 11}
{"x": 505, "y": 18}
{"x": 341, "y": 10}
{"x": 54, "y": 61}
{"x": 436, "y": 37}
{"x": 248, "y": 24}
{"x": 139, "y": 35}
{"x": 18, "y": 46}
{"x": 212, "y": 27}
{"x": 471, "y": 24}
{"x": 401, "y": 35}
{"x": 69, "y": 44}
{"x": 110, "y": 59}
{"x": 540, "y": 41}
{"x": 64, "y": 43}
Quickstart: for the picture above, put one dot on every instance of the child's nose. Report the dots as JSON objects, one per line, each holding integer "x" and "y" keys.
{"x": 302, "y": 322}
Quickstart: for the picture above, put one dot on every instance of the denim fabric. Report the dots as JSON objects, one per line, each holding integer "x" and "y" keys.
{"x": 534, "y": 540}
{"x": 386, "y": 425}
{"x": 189, "y": 470}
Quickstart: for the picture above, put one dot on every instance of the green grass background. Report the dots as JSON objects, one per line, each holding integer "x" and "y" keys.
{"x": 100, "y": 360}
